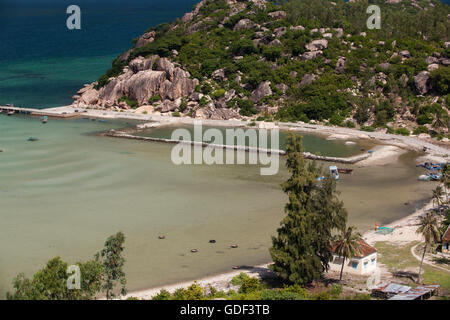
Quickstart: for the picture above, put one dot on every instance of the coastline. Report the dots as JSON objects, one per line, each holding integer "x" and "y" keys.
{"x": 390, "y": 148}
{"x": 404, "y": 233}
{"x": 432, "y": 151}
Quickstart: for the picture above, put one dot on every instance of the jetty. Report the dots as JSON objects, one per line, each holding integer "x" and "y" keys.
{"x": 37, "y": 112}
{"x": 307, "y": 155}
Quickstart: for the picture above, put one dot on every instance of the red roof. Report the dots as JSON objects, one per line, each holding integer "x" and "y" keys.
{"x": 364, "y": 250}
{"x": 446, "y": 236}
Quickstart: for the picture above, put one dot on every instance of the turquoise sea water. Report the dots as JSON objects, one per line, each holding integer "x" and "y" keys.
{"x": 66, "y": 193}
{"x": 43, "y": 64}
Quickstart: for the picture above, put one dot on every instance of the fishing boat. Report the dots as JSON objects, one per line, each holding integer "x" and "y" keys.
{"x": 32, "y": 139}
{"x": 334, "y": 172}
{"x": 345, "y": 170}
{"x": 430, "y": 177}
{"x": 431, "y": 166}
{"x": 10, "y": 113}
{"x": 44, "y": 119}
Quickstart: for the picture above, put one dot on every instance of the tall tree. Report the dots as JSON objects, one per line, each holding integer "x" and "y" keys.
{"x": 429, "y": 229}
{"x": 50, "y": 283}
{"x": 112, "y": 261}
{"x": 347, "y": 244}
{"x": 301, "y": 251}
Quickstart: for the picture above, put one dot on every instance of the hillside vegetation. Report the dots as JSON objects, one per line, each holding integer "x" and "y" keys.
{"x": 297, "y": 60}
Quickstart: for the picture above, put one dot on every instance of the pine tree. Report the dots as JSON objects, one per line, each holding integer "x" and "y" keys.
{"x": 301, "y": 251}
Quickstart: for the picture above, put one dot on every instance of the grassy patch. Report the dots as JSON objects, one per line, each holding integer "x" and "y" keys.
{"x": 398, "y": 258}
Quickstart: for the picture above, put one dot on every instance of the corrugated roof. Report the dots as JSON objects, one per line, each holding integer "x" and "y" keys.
{"x": 416, "y": 293}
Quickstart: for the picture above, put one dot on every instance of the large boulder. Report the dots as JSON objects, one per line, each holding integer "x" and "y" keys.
{"x": 422, "y": 82}
{"x": 307, "y": 79}
{"x": 311, "y": 54}
{"x": 243, "y": 24}
{"x": 147, "y": 38}
{"x": 317, "y": 45}
{"x": 263, "y": 90}
{"x": 277, "y": 15}
{"x": 341, "y": 64}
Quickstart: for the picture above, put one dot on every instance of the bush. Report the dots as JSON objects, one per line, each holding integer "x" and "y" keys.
{"x": 368, "y": 129}
{"x": 402, "y": 131}
{"x": 130, "y": 102}
{"x": 176, "y": 114}
{"x": 420, "y": 129}
{"x": 280, "y": 295}
{"x": 154, "y": 99}
{"x": 247, "y": 108}
{"x": 162, "y": 295}
{"x": 218, "y": 93}
{"x": 272, "y": 53}
{"x": 249, "y": 285}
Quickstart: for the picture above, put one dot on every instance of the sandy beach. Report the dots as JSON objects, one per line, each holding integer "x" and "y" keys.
{"x": 389, "y": 148}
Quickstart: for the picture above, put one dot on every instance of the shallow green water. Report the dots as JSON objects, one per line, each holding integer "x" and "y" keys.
{"x": 312, "y": 143}
{"x": 66, "y": 193}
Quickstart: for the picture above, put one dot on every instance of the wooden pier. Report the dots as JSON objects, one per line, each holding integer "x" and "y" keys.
{"x": 37, "y": 112}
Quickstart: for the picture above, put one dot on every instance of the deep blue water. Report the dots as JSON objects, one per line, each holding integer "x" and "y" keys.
{"x": 42, "y": 63}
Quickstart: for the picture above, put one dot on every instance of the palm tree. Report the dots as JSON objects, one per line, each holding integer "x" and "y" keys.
{"x": 437, "y": 196}
{"x": 348, "y": 244}
{"x": 429, "y": 229}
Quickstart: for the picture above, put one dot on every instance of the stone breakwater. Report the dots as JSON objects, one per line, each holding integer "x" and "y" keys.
{"x": 349, "y": 160}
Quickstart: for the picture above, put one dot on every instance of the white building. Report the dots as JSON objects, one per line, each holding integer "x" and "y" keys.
{"x": 364, "y": 263}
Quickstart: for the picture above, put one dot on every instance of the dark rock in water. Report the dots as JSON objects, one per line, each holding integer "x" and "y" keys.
{"x": 236, "y": 267}
{"x": 212, "y": 241}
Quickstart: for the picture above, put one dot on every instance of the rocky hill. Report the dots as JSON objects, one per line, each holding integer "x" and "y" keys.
{"x": 310, "y": 61}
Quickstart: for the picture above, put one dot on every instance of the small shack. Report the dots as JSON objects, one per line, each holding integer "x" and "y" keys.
{"x": 422, "y": 292}
{"x": 395, "y": 291}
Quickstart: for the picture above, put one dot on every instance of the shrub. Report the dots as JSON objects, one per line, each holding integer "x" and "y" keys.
{"x": 154, "y": 99}
{"x": 280, "y": 295}
{"x": 218, "y": 93}
{"x": 162, "y": 295}
{"x": 402, "y": 131}
{"x": 368, "y": 129}
{"x": 247, "y": 108}
{"x": 420, "y": 129}
{"x": 272, "y": 53}
{"x": 176, "y": 114}
{"x": 132, "y": 103}
{"x": 249, "y": 284}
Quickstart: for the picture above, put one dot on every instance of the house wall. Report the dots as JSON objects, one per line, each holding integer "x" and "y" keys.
{"x": 445, "y": 247}
{"x": 361, "y": 266}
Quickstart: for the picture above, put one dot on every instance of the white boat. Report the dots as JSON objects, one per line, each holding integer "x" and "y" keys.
{"x": 334, "y": 172}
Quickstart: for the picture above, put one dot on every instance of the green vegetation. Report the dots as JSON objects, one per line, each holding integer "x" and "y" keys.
{"x": 301, "y": 251}
{"x": 99, "y": 274}
{"x": 130, "y": 102}
{"x": 209, "y": 42}
{"x": 112, "y": 262}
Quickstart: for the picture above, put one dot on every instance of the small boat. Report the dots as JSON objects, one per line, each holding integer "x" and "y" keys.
{"x": 430, "y": 177}
{"x": 10, "y": 113}
{"x": 33, "y": 139}
{"x": 345, "y": 170}
{"x": 334, "y": 172}
{"x": 431, "y": 166}
{"x": 44, "y": 119}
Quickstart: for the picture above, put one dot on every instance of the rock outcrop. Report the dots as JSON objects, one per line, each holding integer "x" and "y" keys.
{"x": 422, "y": 82}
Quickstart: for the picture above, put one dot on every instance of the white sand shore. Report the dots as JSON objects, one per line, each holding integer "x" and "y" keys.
{"x": 404, "y": 233}
{"x": 434, "y": 152}
{"x": 391, "y": 148}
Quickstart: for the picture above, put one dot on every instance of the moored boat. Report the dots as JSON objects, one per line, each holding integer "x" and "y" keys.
{"x": 345, "y": 170}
